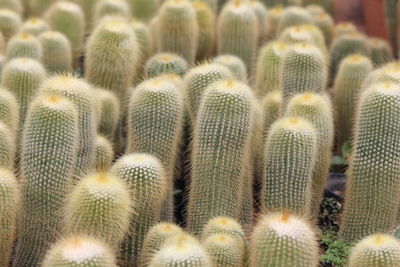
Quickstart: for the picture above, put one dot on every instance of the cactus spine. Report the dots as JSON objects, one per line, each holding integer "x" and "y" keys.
{"x": 224, "y": 250}
{"x": 111, "y": 8}
{"x": 165, "y": 63}
{"x": 219, "y": 174}
{"x": 10, "y": 23}
{"x": 24, "y": 45}
{"x": 57, "y": 55}
{"x": 283, "y": 240}
{"x": 107, "y": 113}
{"x": 104, "y": 154}
{"x": 34, "y": 26}
{"x": 50, "y": 135}
{"x": 144, "y": 10}
{"x": 9, "y": 110}
{"x": 234, "y": 64}
{"x": 226, "y": 226}
{"x": 206, "y": 21}
{"x": 146, "y": 180}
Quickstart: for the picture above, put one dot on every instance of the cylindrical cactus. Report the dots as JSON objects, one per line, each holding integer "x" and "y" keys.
{"x": 50, "y": 135}
{"x": 381, "y": 52}
{"x": 9, "y": 207}
{"x": 146, "y": 180}
{"x": 293, "y": 16}
{"x": 226, "y": 226}
{"x": 177, "y": 29}
{"x": 7, "y": 147}
{"x": 327, "y": 5}
{"x": 326, "y": 24}
{"x": 24, "y": 45}
{"x": 219, "y": 168}
{"x": 274, "y": 16}
{"x": 34, "y": 26}
{"x": 104, "y": 154}
{"x": 107, "y": 113}
{"x": 165, "y": 63}
{"x": 9, "y": 110}
{"x": 290, "y": 155}
{"x": 271, "y": 109}
{"x": 38, "y": 7}
{"x": 376, "y": 250}
{"x": 234, "y": 64}
{"x": 391, "y": 15}
{"x": 14, "y": 5}
{"x": 144, "y": 9}
{"x": 237, "y": 32}
{"x": 225, "y": 250}
{"x": 111, "y": 8}
{"x": 314, "y": 9}
{"x": 145, "y": 41}
{"x": 10, "y": 23}
{"x": 206, "y": 21}
{"x": 296, "y": 34}
{"x": 343, "y": 28}
{"x": 79, "y": 251}
{"x": 57, "y": 53}
{"x": 262, "y": 17}
{"x": 280, "y": 239}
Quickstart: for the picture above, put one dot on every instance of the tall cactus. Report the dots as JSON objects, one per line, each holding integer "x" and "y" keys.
{"x": 274, "y": 16}
{"x": 34, "y": 26}
{"x": 50, "y": 135}
{"x": 7, "y": 147}
{"x": 107, "y": 113}
{"x": 145, "y": 41}
{"x": 104, "y": 154}
{"x": 9, "y": 110}
{"x": 326, "y": 24}
{"x": 206, "y": 21}
{"x": 144, "y": 10}
{"x": 227, "y": 112}
{"x": 234, "y": 64}
{"x": 224, "y": 250}
{"x": 381, "y": 52}
{"x": 57, "y": 53}
{"x": 375, "y": 158}
{"x": 262, "y": 18}
{"x": 24, "y": 45}
{"x": 165, "y": 63}
{"x": 9, "y": 23}
{"x": 271, "y": 109}
{"x": 294, "y": 16}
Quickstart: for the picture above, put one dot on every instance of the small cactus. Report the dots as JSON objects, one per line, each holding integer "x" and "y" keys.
{"x": 207, "y": 35}
{"x": 24, "y": 45}
{"x": 34, "y": 26}
{"x": 107, "y": 113}
{"x": 104, "y": 154}
{"x": 165, "y": 63}
{"x": 381, "y": 52}
{"x": 224, "y": 250}
{"x": 9, "y": 110}
{"x": 294, "y": 16}
{"x": 111, "y": 8}
{"x": 10, "y": 22}
{"x": 57, "y": 53}
{"x": 234, "y": 64}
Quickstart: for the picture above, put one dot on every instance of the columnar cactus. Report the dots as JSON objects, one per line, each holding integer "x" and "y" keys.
{"x": 111, "y": 8}
{"x": 268, "y": 67}
{"x": 381, "y": 52}
{"x": 206, "y": 21}
{"x": 234, "y": 64}
{"x": 280, "y": 239}
{"x": 9, "y": 110}
{"x": 79, "y": 251}
{"x": 144, "y": 9}
{"x": 7, "y": 147}
{"x": 155, "y": 125}
{"x": 87, "y": 7}
{"x": 9, "y": 207}
{"x": 224, "y": 250}
{"x": 50, "y": 135}
{"x": 155, "y": 240}
{"x": 219, "y": 174}
{"x": 80, "y": 93}
{"x": 296, "y": 34}
{"x": 376, "y": 250}
{"x": 303, "y": 69}
{"x": 100, "y": 206}
{"x": 316, "y": 109}
{"x": 274, "y": 16}
{"x": 290, "y": 155}
{"x": 352, "y": 73}
{"x": 104, "y": 154}
{"x": 271, "y": 109}
{"x": 165, "y": 63}
{"x": 223, "y": 225}
{"x": 375, "y": 158}
{"x": 24, "y": 45}
{"x": 68, "y": 18}
{"x": 57, "y": 53}
{"x": 107, "y": 113}
{"x": 294, "y": 16}
{"x": 9, "y": 23}
{"x": 262, "y": 17}
{"x": 14, "y": 5}
{"x": 145, "y": 41}
{"x": 111, "y": 56}
{"x": 177, "y": 29}
{"x": 237, "y": 31}
{"x": 326, "y": 24}
{"x": 34, "y": 26}
{"x": 146, "y": 180}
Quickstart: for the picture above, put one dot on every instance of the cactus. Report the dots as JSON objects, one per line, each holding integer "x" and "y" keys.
{"x": 68, "y": 18}
{"x": 303, "y": 69}
{"x": 107, "y": 113}
{"x": 104, "y": 154}
{"x": 111, "y": 56}
{"x": 381, "y": 52}
{"x": 326, "y": 24}
{"x": 234, "y": 64}
{"x": 182, "y": 250}
{"x": 294, "y": 16}
{"x": 198, "y": 79}
{"x": 315, "y": 10}
{"x": 352, "y": 73}
{"x": 262, "y": 18}
{"x": 38, "y": 7}
{"x": 327, "y": 5}
{"x": 274, "y": 16}
{"x": 296, "y": 34}
{"x": 206, "y": 21}
{"x": 145, "y": 178}
{"x": 87, "y": 7}
{"x": 237, "y": 32}
{"x": 50, "y": 135}
{"x": 79, "y": 251}
{"x": 317, "y": 110}
{"x": 100, "y": 206}
{"x": 177, "y": 29}
{"x": 165, "y": 63}
{"x": 9, "y": 110}
{"x": 57, "y": 53}
{"x": 111, "y": 8}
{"x": 24, "y": 45}
{"x": 145, "y": 41}
{"x": 375, "y": 157}
{"x": 34, "y": 26}
{"x": 23, "y": 77}
{"x": 280, "y": 239}
{"x": 144, "y": 10}
{"x": 155, "y": 125}
{"x": 80, "y": 93}
{"x": 14, "y": 5}
{"x": 224, "y": 250}
{"x": 224, "y": 225}
{"x": 376, "y": 250}
{"x": 290, "y": 156}
{"x": 227, "y": 112}
{"x": 10, "y": 23}
{"x": 391, "y": 16}
{"x": 343, "y": 28}
{"x": 7, "y": 147}
{"x": 268, "y": 67}
{"x": 271, "y": 106}
{"x": 155, "y": 240}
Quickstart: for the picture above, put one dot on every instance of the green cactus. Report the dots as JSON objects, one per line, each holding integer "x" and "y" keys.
{"x": 34, "y": 26}
{"x": 57, "y": 53}
{"x": 148, "y": 184}
{"x": 111, "y": 8}
{"x": 100, "y": 206}
{"x": 303, "y": 69}
{"x": 87, "y": 7}
{"x": 284, "y": 240}
{"x": 38, "y": 7}
{"x": 224, "y": 250}
{"x": 396, "y": 233}
{"x": 79, "y": 251}
{"x": 111, "y": 56}
{"x": 155, "y": 240}
{"x": 326, "y": 24}
{"x": 262, "y": 18}
{"x": 237, "y": 32}
{"x": 391, "y": 16}
{"x": 376, "y": 250}
{"x": 271, "y": 106}
{"x": 80, "y": 93}
{"x": 375, "y": 158}
{"x": 316, "y": 109}
{"x": 290, "y": 156}
{"x": 224, "y": 225}
{"x": 234, "y": 64}
{"x": 293, "y": 16}
{"x": 10, "y": 22}
{"x": 50, "y": 135}
{"x": 104, "y": 154}
{"x": 144, "y": 10}
{"x": 327, "y": 5}
{"x": 145, "y": 42}
{"x": 268, "y": 67}
{"x": 23, "y": 77}
{"x": 14, "y": 5}
{"x": 165, "y": 63}
{"x": 181, "y": 250}
{"x": 9, "y": 110}
{"x": 352, "y": 73}
{"x": 227, "y": 112}
{"x": 7, "y": 147}
{"x": 381, "y": 52}
{"x": 68, "y": 18}
{"x": 177, "y": 29}
{"x": 343, "y": 28}
{"x": 296, "y": 34}
{"x": 206, "y": 21}
{"x": 315, "y": 10}
{"x": 274, "y": 16}
{"x": 24, "y": 45}
{"x": 107, "y": 113}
